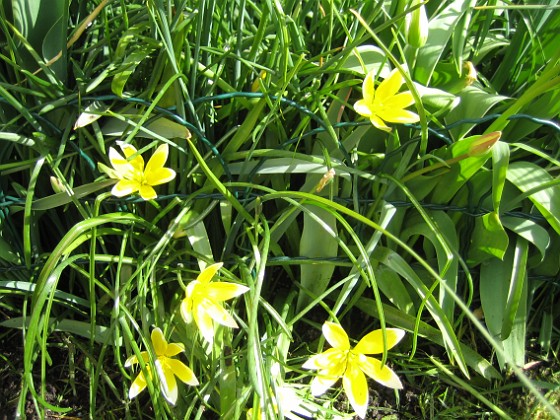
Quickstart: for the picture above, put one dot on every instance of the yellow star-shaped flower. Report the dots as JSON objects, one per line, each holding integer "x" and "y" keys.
{"x": 203, "y": 302}
{"x": 132, "y": 175}
{"x": 166, "y": 368}
{"x": 384, "y": 103}
{"x": 341, "y": 361}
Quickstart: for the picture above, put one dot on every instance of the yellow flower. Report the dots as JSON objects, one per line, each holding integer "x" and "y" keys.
{"x": 166, "y": 367}
{"x": 132, "y": 175}
{"x": 385, "y": 104}
{"x": 203, "y": 302}
{"x": 341, "y": 361}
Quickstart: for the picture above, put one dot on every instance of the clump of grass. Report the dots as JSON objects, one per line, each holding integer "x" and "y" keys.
{"x": 446, "y": 226}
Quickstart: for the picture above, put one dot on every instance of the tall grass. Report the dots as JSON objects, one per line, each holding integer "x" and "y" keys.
{"x": 320, "y": 214}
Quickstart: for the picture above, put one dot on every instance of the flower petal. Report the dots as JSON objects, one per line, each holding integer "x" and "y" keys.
{"x": 182, "y": 371}
{"x": 333, "y": 360}
{"x": 137, "y": 161}
{"x": 321, "y": 383}
{"x": 132, "y": 360}
{"x": 389, "y": 87}
{"x": 159, "y": 342}
{"x": 125, "y": 187}
{"x": 372, "y": 343}
{"x": 368, "y": 88}
{"x": 147, "y": 192}
{"x": 187, "y": 308}
{"x": 159, "y": 176}
{"x": 158, "y": 159}
{"x": 204, "y": 323}
{"x": 167, "y": 379}
{"x": 363, "y": 108}
{"x": 355, "y": 386}
{"x": 220, "y": 291}
{"x": 173, "y": 349}
{"x": 401, "y": 116}
{"x": 209, "y": 272}
{"x": 137, "y": 386}
{"x": 379, "y": 123}
{"x": 400, "y": 100}
{"x": 385, "y": 376}
{"x": 218, "y": 313}
{"x": 336, "y": 336}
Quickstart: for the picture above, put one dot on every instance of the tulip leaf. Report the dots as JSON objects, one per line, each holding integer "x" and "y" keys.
{"x": 489, "y": 239}
{"x": 540, "y": 187}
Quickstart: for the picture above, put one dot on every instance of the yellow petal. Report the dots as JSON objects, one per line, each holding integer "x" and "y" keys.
{"x": 147, "y": 192}
{"x": 220, "y": 291}
{"x": 132, "y": 360}
{"x": 385, "y": 376}
{"x": 368, "y": 88}
{"x": 158, "y": 159}
{"x": 168, "y": 382}
{"x": 204, "y": 323}
{"x": 209, "y": 272}
{"x": 182, "y": 371}
{"x": 336, "y": 336}
{"x": 332, "y": 360}
{"x": 355, "y": 386}
{"x": 173, "y": 349}
{"x": 159, "y": 342}
{"x": 320, "y": 384}
{"x": 400, "y": 100}
{"x": 363, "y": 108}
{"x": 137, "y": 386}
{"x": 125, "y": 187}
{"x": 159, "y": 176}
{"x": 218, "y": 313}
{"x": 401, "y": 116}
{"x": 119, "y": 163}
{"x": 372, "y": 343}
{"x": 137, "y": 161}
{"x": 379, "y": 123}
{"x": 389, "y": 87}
{"x": 186, "y": 309}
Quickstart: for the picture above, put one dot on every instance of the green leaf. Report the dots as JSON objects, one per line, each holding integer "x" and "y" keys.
{"x": 489, "y": 239}
{"x": 393, "y": 288}
{"x": 368, "y": 58}
{"x": 127, "y": 67}
{"x": 539, "y": 186}
{"x": 500, "y": 163}
{"x": 441, "y": 28}
{"x": 475, "y": 103}
{"x": 530, "y": 231}
{"x": 318, "y": 240}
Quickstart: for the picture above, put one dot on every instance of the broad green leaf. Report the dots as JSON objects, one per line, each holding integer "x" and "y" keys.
{"x": 530, "y": 231}
{"x": 468, "y": 157}
{"x": 7, "y": 253}
{"x": 17, "y": 138}
{"x": 503, "y": 295}
{"x": 500, "y": 163}
{"x": 198, "y": 238}
{"x": 127, "y": 67}
{"x": 441, "y": 28}
{"x": 489, "y": 239}
{"x": 91, "y": 113}
{"x": 440, "y": 231}
{"x": 394, "y": 261}
{"x": 475, "y": 103}
{"x": 391, "y": 285}
{"x": 60, "y": 199}
{"x": 318, "y": 240}
{"x": 516, "y": 287}
{"x": 540, "y": 187}
{"x": 157, "y": 129}
{"x": 101, "y": 334}
{"x": 407, "y": 322}
{"x": 368, "y": 58}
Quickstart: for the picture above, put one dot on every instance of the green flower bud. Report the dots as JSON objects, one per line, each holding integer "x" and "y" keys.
{"x": 416, "y": 25}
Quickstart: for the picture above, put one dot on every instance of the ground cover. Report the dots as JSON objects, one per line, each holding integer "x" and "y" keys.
{"x": 290, "y": 209}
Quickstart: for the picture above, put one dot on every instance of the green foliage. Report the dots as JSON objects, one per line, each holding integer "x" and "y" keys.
{"x": 448, "y": 229}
